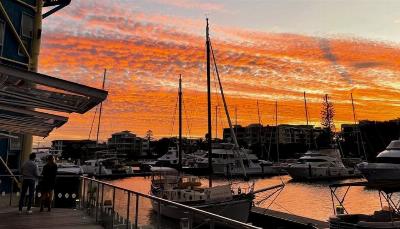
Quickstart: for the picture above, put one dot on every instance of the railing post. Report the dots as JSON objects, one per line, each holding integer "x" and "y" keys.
{"x": 84, "y": 193}
{"x": 90, "y": 196}
{"x": 127, "y": 210}
{"x": 212, "y": 224}
{"x": 137, "y": 211}
{"x": 113, "y": 208}
{"x": 97, "y": 198}
{"x": 11, "y": 190}
{"x": 102, "y": 199}
{"x": 159, "y": 215}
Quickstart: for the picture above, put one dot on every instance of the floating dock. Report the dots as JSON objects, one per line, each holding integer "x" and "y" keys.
{"x": 267, "y": 218}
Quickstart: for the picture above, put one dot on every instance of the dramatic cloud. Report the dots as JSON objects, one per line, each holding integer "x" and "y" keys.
{"x": 144, "y": 54}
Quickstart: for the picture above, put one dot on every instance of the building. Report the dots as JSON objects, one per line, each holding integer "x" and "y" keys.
{"x": 24, "y": 107}
{"x": 368, "y": 137}
{"x": 129, "y": 144}
{"x": 76, "y": 149}
{"x": 287, "y": 134}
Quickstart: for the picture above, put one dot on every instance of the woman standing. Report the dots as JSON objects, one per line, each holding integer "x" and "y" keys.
{"x": 48, "y": 182}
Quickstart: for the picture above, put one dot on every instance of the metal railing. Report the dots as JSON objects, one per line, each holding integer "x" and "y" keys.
{"x": 117, "y": 207}
{"x": 10, "y": 191}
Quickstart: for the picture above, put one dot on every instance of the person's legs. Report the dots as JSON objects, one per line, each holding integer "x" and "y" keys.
{"x": 23, "y": 192}
{"x": 43, "y": 200}
{"x": 50, "y": 198}
{"x": 31, "y": 184}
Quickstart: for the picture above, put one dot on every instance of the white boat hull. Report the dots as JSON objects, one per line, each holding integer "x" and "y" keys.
{"x": 234, "y": 209}
{"x": 311, "y": 173}
{"x": 226, "y": 170}
{"x": 380, "y": 172}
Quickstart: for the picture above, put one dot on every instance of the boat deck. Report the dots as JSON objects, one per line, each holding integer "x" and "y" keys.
{"x": 59, "y": 218}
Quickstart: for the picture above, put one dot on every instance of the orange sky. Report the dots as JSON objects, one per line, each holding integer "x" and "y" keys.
{"x": 144, "y": 55}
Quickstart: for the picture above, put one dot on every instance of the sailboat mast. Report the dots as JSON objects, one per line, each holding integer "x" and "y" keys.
{"x": 358, "y": 131}
{"x": 277, "y": 130}
{"x": 305, "y": 107}
{"x": 259, "y": 131}
{"x": 355, "y": 123}
{"x": 101, "y": 108}
{"x": 236, "y": 120}
{"x": 216, "y": 122}
{"x": 209, "y": 136}
{"x": 180, "y": 124}
{"x": 310, "y": 134}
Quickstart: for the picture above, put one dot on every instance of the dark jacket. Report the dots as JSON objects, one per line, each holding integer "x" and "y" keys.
{"x": 49, "y": 177}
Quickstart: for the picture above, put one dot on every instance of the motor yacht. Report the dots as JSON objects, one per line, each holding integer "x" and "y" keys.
{"x": 105, "y": 166}
{"x": 320, "y": 164}
{"x": 386, "y": 168}
{"x": 226, "y": 161}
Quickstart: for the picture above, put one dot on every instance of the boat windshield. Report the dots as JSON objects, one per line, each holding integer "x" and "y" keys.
{"x": 394, "y": 145}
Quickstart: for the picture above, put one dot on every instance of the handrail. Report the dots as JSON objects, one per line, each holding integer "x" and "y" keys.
{"x": 216, "y": 217}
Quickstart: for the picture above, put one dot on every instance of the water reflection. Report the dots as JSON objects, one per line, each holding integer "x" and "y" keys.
{"x": 309, "y": 199}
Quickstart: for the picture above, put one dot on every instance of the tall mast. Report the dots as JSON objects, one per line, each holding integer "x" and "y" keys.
{"x": 236, "y": 120}
{"x": 216, "y": 122}
{"x": 209, "y": 136}
{"x": 305, "y": 107}
{"x": 101, "y": 108}
{"x": 259, "y": 131}
{"x": 227, "y": 112}
{"x": 180, "y": 123}
{"x": 355, "y": 123}
{"x": 277, "y": 130}
{"x": 358, "y": 131}
{"x": 306, "y": 111}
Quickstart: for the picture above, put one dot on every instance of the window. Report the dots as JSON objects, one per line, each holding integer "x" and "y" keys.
{"x": 27, "y": 25}
{"x": 2, "y": 32}
{"x": 20, "y": 50}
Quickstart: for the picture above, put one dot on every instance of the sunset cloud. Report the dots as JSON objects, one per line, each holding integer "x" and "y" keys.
{"x": 145, "y": 53}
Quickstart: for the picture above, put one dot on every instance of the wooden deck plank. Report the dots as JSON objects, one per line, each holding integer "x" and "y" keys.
{"x": 58, "y": 218}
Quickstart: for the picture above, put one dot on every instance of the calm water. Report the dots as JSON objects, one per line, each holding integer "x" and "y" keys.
{"x": 309, "y": 199}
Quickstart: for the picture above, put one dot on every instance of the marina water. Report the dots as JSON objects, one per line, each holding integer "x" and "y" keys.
{"x": 308, "y": 199}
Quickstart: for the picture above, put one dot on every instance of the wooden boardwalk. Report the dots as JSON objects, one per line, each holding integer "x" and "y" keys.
{"x": 58, "y": 218}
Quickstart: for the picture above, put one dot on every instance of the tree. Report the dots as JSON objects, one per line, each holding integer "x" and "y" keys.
{"x": 327, "y": 114}
{"x": 149, "y": 137}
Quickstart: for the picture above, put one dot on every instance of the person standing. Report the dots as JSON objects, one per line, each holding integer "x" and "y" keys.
{"x": 29, "y": 171}
{"x": 48, "y": 182}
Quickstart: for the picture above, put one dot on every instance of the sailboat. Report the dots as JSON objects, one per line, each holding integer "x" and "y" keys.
{"x": 185, "y": 189}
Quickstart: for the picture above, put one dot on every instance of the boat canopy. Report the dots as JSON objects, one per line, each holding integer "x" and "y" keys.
{"x": 394, "y": 145}
{"x": 392, "y": 151}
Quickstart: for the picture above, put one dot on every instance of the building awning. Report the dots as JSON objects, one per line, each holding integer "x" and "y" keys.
{"x": 21, "y": 92}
